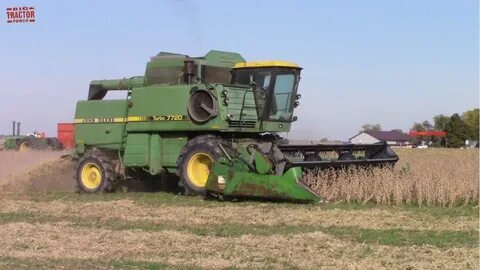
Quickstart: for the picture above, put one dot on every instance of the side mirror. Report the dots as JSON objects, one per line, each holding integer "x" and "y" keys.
{"x": 295, "y": 118}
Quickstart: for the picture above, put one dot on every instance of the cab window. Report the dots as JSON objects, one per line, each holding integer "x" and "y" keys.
{"x": 281, "y": 105}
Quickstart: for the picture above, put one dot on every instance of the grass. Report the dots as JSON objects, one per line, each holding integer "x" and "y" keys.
{"x": 399, "y": 237}
{"x": 391, "y": 237}
{"x": 164, "y": 231}
{"x": 38, "y": 263}
{"x": 233, "y": 229}
{"x": 159, "y": 199}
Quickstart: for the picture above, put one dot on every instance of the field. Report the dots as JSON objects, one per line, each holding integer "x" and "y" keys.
{"x": 444, "y": 177}
{"x": 364, "y": 225}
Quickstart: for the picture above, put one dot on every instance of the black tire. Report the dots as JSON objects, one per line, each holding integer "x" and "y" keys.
{"x": 37, "y": 143}
{"x": 96, "y": 164}
{"x": 198, "y": 147}
{"x": 54, "y": 144}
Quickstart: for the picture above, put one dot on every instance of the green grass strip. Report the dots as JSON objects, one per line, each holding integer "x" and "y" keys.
{"x": 391, "y": 237}
{"x": 46, "y": 263}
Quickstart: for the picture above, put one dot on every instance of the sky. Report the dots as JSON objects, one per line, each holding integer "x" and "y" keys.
{"x": 382, "y": 62}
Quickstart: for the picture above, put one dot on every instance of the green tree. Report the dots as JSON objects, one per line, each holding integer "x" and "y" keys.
{"x": 457, "y": 131}
{"x": 440, "y": 122}
{"x": 471, "y": 118}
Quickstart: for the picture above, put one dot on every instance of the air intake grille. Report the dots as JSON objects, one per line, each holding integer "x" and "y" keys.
{"x": 245, "y": 124}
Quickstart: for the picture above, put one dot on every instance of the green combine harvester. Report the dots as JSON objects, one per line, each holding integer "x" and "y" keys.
{"x": 213, "y": 121}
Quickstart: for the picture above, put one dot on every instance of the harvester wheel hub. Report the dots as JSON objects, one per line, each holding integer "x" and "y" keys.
{"x": 198, "y": 169}
{"x": 91, "y": 176}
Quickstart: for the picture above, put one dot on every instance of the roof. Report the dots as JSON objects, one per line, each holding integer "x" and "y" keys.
{"x": 392, "y": 135}
{"x": 266, "y": 64}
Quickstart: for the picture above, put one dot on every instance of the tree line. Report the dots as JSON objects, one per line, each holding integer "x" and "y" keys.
{"x": 459, "y": 128}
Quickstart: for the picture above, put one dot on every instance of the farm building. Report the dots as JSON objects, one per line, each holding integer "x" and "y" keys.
{"x": 392, "y": 137}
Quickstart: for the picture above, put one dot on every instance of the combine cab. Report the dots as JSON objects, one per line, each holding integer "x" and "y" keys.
{"x": 213, "y": 121}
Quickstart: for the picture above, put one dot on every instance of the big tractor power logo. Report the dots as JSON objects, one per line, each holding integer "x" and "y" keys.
{"x": 20, "y": 15}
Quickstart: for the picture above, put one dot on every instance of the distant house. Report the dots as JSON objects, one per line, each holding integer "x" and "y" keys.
{"x": 392, "y": 137}
{"x": 472, "y": 144}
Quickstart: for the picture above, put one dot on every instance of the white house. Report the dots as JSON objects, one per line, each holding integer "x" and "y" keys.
{"x": 392, "y": 137}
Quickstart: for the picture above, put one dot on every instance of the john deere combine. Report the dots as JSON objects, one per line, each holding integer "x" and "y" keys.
{"x": 211, "y": 120}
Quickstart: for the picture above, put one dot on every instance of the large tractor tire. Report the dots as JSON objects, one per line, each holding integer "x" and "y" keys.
{"x": 95, "y": 173}
{"x": 195, "y": 163}
{"x": 31, "y": 143}
{"x": 23, "y": 146}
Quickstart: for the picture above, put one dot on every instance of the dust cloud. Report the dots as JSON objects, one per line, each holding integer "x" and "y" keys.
{"x": 43, "y": 171}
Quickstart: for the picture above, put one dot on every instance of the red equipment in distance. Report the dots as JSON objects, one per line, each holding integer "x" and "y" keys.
{"x": 65, "y": 135}
{"x": 437, "y": 133}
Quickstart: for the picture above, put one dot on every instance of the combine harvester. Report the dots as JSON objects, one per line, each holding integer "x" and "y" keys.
{"x": 211, "y": 120}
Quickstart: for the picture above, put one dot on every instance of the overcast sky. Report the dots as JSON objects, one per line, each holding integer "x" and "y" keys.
{"x": 385, "y": 62}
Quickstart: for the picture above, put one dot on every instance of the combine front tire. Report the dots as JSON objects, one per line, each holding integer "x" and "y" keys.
{"x": 195, "y": 163}
{"x": 95, "y": 172}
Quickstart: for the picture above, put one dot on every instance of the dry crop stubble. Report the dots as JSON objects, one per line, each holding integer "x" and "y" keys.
{"x": 302, "y": 250}
{"x": 128, "y": 210}
{"x": 89, "y": 230}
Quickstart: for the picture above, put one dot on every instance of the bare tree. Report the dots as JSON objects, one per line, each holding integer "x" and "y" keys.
{"x": 371, "y": 127}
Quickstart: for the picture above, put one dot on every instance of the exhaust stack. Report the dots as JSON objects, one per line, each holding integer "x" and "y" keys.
{"x": 18, "y": 128}
{"x": 189, "y": 71}
{"x": 13, "y": 133}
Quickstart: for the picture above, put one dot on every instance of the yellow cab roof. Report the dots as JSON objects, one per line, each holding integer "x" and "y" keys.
{"x": 266, "y": 64}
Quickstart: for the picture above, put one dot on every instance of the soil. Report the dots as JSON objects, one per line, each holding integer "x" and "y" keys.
{"x": 44, "y": 171}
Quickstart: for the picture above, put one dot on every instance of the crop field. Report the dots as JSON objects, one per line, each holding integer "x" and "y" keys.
{"x": 444, "y": 177}
{"x": 422, "y": 215}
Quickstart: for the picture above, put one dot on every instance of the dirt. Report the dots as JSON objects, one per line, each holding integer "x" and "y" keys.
{"x": 42, "y": 171}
